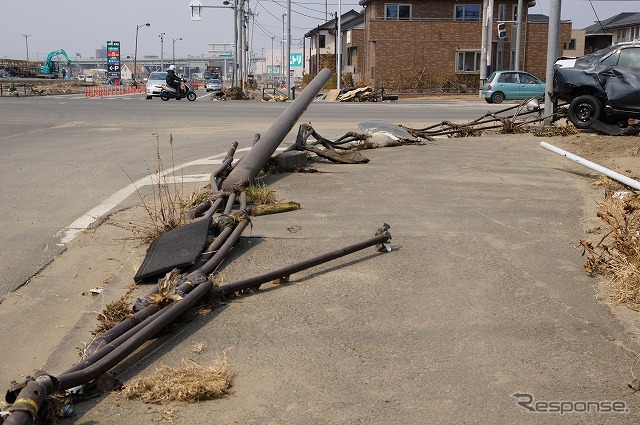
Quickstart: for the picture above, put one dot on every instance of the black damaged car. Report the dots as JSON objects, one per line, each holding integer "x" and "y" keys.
{"x": 604, "y": 85}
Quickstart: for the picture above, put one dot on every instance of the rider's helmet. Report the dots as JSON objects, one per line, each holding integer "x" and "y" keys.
{"x": 172, "y": 67}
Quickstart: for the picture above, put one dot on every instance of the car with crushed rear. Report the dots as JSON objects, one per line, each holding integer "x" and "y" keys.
{"x": 604, "y": 85}
{"x": 512, "y": 85}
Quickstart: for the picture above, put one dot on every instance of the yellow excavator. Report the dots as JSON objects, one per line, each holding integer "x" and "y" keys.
{"x": 51, "y": 68}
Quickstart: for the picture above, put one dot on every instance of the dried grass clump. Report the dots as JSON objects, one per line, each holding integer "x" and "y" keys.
{"x": 188, "y": 382}
{"x": 617, "y": 255}
{"x": 169, "y": 205}
{"x": 114, "y": 313}
{"x": 259, "y": 194}
{"x": 510, "y": 126}
{"x": 566, "y": 130}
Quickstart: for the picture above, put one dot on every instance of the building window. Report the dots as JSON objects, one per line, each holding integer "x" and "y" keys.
{"x": 570, "y": 45}
{"x": 467, "y": 12}
{"x": 321, "y": 41}
{"x": 395, "y": 11}
{"x": 468, "y": 61}
{"x": 502, "y": 12}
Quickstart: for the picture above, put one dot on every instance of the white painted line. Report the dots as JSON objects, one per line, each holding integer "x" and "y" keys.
{"x": 67, "y": 234}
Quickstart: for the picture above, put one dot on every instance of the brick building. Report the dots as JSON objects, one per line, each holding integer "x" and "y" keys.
{"x": 423, "y": 44}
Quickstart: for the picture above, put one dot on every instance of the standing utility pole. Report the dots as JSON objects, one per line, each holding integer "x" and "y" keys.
{"x": 161, "y": 51}
{"x": 339, "y": 47}
{"x": 489, "y": 35}
{"x": 282, "y": 68}
{"x": 518, "y": 17}
{"x": 483, "y": 45}
{"x": 26, "y": 41}
{"x": 288, "y": 50}
{"x": 552, "y": 53}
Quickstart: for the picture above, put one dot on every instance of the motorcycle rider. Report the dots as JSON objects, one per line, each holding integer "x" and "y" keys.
{"x": 173, "y": 80}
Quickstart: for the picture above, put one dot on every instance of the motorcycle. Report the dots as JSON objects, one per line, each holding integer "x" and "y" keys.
{"x": 168, "y": 92}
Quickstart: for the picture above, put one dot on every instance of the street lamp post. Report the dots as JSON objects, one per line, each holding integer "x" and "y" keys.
{"x": 135, "y": 54}
{"x": 161, "y": 50}
{"x": 282, "y": 66}
{"x": 26, "y": 41}
{"x": 196, "y": 9}
{"x": 271, "y": 71}
{"x": 174, "y": 49}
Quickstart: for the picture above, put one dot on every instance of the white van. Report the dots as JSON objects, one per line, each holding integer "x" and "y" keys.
{"x": 89, "y": 79}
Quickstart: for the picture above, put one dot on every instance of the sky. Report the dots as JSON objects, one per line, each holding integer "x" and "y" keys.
{"x": 83, "y": 27}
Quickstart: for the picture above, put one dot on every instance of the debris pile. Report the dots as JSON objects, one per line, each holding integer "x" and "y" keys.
{"x": 345, "y": 150}
{"x": 361, "y": 94}
{"x": 617, "y": 254}
{"x": 218, "y": 223}
{"x": 525, "y": 114}
{"x": 274, "y": 98}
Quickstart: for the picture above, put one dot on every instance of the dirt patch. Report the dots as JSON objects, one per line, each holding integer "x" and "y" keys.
{"x": 44, "y": 87}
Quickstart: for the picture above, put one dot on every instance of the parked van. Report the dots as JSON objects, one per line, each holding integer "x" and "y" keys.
{"x": 89, "y": 79}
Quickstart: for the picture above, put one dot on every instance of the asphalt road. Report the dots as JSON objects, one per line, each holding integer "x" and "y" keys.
{"x": 64, "y": 156}
{"x": 481, "y": 312}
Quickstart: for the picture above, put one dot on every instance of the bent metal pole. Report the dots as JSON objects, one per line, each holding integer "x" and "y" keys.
{"x": 251, "y": 164}
{"x": 592, "y": 165}
{"x": 28, "y": 401}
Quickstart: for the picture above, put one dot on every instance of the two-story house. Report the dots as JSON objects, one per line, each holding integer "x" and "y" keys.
{"x": 323, "y": 45}
{"x": 427, "y": 43}
{"x": 616, "y": 29}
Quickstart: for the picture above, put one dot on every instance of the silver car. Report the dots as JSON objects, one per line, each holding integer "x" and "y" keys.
{"x": 155, "y": 82}
{"x": 213, "y": 85}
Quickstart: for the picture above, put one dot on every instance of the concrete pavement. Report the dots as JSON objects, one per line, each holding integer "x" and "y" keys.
{"x": 483, "y": 297}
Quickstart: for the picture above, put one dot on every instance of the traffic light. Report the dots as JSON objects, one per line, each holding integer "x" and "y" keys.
{"x": 502, "y": 31}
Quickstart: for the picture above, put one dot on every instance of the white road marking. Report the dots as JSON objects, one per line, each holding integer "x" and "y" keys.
{"x": 67, "y": 234}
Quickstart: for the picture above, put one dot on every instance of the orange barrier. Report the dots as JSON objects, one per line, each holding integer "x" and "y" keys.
{"x": 101, "y": 91}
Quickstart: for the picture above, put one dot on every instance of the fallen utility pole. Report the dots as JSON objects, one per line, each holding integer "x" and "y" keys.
{"x": 251, "y": 164}
{"x": 186, "y": 288}
{"x": 593, "y": 166}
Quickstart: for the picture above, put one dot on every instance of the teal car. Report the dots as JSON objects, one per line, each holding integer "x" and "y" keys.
{"x": 512, "y": 85}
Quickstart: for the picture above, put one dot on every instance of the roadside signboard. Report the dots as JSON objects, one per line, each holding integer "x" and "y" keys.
{"x": 113, "y": 59}
{"x": 295, "y": 59}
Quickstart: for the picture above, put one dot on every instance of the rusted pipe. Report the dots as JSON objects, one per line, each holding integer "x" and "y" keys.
{"x": 285, "y": 272}
{"x": 106, "y": 348}
{"x": 76, "y": 378}
{"x": 28, "y": 402}
{"x": 218, "y": 257}
{"x": 212, "y": 248}
{"x": 230, "y": 201}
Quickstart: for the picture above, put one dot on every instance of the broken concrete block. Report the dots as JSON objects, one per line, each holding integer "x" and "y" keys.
{"x": 289, "y": 161}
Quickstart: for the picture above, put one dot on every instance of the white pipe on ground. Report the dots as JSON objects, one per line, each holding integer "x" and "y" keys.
{"x": 599, "y": 168}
